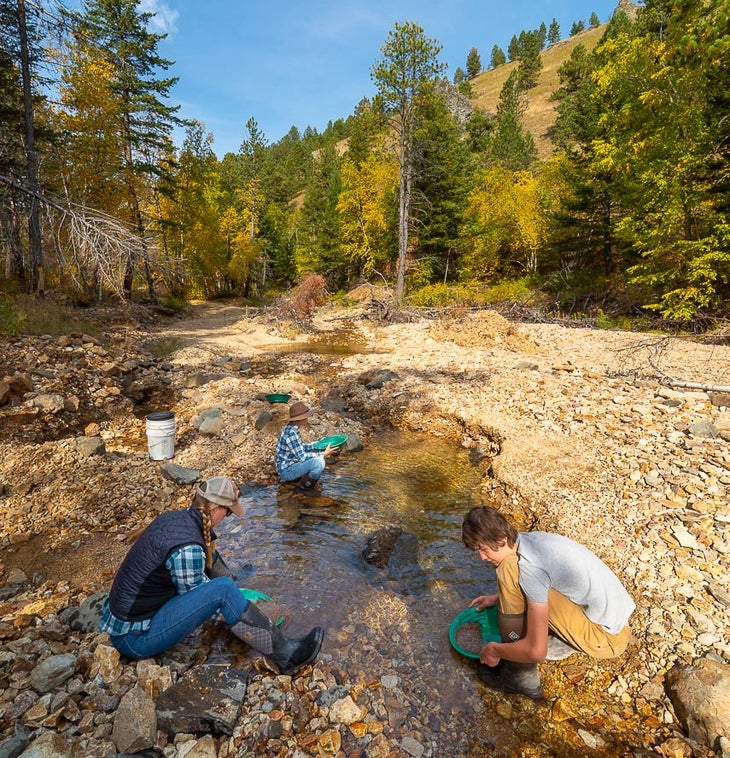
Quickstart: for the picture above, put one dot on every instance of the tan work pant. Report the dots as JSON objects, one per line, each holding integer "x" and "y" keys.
{"x": 565, "y": 618}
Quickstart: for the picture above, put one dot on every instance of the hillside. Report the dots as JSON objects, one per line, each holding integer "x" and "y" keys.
{"x": 540, "y": 114}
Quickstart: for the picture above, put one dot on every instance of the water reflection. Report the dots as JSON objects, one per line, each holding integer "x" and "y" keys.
{"x": 309, "y": 558}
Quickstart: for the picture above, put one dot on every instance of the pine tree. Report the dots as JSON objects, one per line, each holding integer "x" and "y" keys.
{"x": 119, "y": 32}
{"x": 443, "y": 174}
{"x": 511, "y": 145}
{"x": 498, "y": 57}
{"x": 473, "y": 63}
{"x": 554, "y": 32}
{"x": 405, "y": 74}
{"x": 21, "y": 46}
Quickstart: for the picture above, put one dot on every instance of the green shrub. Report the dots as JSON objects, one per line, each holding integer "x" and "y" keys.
{"x": 510, "y": 291}
{"x": 26, "y": 314}
{"x": 9, "y": 321}
{"x": 174, "y": 303}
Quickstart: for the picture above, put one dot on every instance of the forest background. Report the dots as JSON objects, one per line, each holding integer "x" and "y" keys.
{"x": 615, "y": 205}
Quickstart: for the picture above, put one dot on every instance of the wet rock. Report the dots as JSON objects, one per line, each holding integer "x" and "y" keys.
{"x": 353, "y": 444}
{"x": 380, "y": 545}
{"x": 477, "y": 454}
{"x": 207, "y": 700}
{"x": 85, "y": 617}
{"x": 700, "y": 694}
{"x": 135, "y": 722}
{"x": 412, "y": 747}
{"x": 344, "y": 711}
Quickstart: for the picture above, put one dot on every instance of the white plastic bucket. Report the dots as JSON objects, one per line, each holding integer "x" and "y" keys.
{"x": 161, "y": 435}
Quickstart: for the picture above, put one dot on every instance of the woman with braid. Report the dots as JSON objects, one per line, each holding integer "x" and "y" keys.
{"x": 172, "y": 580}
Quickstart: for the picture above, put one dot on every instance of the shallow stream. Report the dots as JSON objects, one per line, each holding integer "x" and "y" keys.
{"x": 309, "y": 558}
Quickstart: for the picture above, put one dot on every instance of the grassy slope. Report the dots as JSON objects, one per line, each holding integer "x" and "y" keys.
{"x": 540, "y": 114}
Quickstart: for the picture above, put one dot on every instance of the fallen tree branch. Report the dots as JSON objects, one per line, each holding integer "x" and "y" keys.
{"x": 696, "y": 385}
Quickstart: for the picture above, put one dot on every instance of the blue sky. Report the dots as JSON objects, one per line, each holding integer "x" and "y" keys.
{"x": 289, "y": 63}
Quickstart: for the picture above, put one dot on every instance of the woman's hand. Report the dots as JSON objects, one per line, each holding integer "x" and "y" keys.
{"x": 484, "y": 601}
{"x": 328, "y": 451}
{"x": 488, "y": 655}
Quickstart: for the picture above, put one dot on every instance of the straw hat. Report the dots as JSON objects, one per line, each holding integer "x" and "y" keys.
{"x": 299, "y": 411}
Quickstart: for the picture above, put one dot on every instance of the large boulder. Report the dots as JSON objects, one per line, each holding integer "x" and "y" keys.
{"x": 700, "y": 694}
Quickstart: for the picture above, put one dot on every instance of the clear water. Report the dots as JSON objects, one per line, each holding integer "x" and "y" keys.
{"x": 309, "y": 559}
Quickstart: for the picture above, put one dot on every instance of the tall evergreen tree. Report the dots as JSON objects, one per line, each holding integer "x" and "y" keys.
{"x": 21, "y": 45}
{"x": 498, "y": 57}
{"x": 11, "y": 166}
{"x": 318, "y": 238}
{"x": 553, "y": 32}
{"x": 511, "y": 145}
{"x": 473, "y": 63}
{"x": 119, "y": 31}
{"x": 404, "y": 75}
{"x": 440, "y": 192}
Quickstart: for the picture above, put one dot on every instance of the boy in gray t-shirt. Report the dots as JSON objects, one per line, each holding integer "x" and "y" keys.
{"x": 555, "y": 598}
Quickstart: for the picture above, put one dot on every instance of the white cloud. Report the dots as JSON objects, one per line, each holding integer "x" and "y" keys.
{"x": 165, "y": 18}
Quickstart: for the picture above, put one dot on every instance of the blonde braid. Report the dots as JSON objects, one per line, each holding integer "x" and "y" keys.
{"x": 203, "y": 507}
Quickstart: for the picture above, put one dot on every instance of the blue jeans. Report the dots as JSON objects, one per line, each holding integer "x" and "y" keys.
{"x": 181, "y": 615}
{"x": 312, "y": 466}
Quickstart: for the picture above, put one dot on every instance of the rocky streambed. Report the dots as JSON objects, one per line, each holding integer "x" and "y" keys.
{"x": 585, "y": 432}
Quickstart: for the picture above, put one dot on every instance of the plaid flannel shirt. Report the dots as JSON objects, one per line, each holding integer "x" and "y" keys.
{"x": 290, "y": 448}
{"x": 186, "y": 565}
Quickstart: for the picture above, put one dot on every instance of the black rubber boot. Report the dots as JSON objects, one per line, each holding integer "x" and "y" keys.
{"x": 308, "y": 485}
{"x": 513, "y": 678}
{"x": 286, "y": 655}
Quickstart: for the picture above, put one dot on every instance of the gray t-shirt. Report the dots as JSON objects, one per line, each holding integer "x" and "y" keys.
{"x": 551, "y": 561}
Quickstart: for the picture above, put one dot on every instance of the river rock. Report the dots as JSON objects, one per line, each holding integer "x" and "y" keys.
{"x": 380, "y": 545}
{"x": 700, "y": 694}
{"x": 207, "y": 700}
